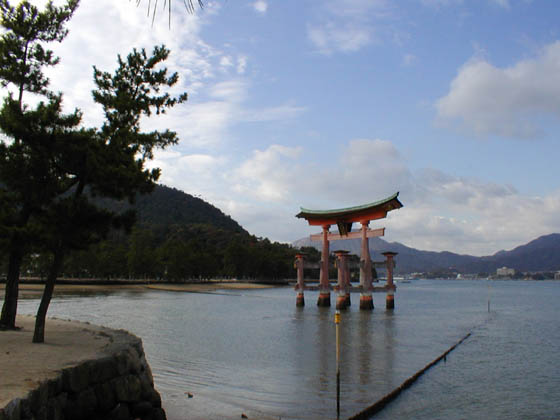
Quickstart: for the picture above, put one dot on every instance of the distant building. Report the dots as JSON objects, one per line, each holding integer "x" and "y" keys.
{"x": 505, "y": 271}
{"x": 557, "y": 275}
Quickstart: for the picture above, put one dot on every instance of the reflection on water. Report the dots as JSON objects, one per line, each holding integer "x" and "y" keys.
{"x": 254, "y": 352}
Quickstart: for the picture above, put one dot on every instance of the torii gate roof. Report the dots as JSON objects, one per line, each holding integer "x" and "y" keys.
{"x": 371, "y": 211}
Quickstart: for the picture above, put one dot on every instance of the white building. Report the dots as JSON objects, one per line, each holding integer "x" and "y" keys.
{"x": 505, "y": 271}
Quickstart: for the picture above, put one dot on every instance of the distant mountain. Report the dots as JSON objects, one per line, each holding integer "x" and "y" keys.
{"x": 541, "y": 254}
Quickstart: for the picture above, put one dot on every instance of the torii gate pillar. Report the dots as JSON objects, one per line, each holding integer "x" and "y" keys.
{"x": 343, "y": 298}
{"x": 324, "y": 286}
{"x": 390, "y": 300}
{"x": 300, "y": 286}
{"x": 366, "y": 298}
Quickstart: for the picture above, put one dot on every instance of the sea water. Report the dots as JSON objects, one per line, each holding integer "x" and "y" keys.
{"x": 253, "y": 352}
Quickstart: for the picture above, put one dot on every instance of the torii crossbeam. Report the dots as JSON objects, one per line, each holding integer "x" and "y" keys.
{"x": 343, "y": 219}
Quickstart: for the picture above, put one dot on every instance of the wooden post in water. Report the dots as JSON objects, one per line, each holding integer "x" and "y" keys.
{"x": 343, "y": 298}
{"x": 337, "y": 322}
{"x": 488, "y": 295}
{"x": 390, "y": 300}
{"x": 324, "y": 286}
{"x": 366, "y": 298}
{"x": 300, "y": 286}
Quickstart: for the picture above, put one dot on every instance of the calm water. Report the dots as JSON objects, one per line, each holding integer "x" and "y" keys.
{"x": 254, "y": 352}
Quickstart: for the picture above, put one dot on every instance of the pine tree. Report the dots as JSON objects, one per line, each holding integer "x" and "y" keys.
{"x": 26, "y": 173}
{"x": 107, "y": 162}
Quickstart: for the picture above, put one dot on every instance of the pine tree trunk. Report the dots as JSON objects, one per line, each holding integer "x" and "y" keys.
{"x": 9, "y": 309}
{"x": 39, "y": 333}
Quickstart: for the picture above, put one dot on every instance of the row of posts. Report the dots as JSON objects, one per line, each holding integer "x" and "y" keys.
{"x": 343, "y": 287}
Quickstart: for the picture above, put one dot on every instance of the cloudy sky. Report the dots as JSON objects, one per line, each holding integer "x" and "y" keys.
{"x": 334, "y": 103}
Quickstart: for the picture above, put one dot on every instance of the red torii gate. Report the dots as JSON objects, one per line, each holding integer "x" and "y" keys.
{"x": 344, "y": 218}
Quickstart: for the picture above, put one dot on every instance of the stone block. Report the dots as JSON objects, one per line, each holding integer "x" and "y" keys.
{"x": 76, "y": 379}
{"x": 155, "y": 398}
{"x": 122, "y": 363}
{"x": 148, "y": 372}
{"x": 120, "y": 412}
{"x": 105, "y": 397}
{"x": 54, "y": 386}
{"x": 146, "y": 386}
{"x": 87, "y": 401}
{"x": 158, "y": 414}
{"x": 55, "y": 407}
{"x": 37, "y": 400}
{"x": 134, "y": 363}
{"x": 103, "y": 370}
{"x": 140, "y": 409}
{"x": 13, "y": 409}
{"x": 127, "y": 388}
{"x": 71, "y": 409}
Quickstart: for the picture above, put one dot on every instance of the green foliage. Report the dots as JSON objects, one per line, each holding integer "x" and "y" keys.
{"x": 183, "y": 248}
{"x": 29, "y": 172}
{"x": 51, "y": 168}
{"x": 22, "y": 54}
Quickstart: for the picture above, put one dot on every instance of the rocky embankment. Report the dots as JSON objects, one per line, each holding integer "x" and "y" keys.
{"x": 115, "y": 384}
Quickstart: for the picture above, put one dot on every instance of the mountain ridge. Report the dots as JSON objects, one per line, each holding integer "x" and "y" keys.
{"x": 540, "y": 254}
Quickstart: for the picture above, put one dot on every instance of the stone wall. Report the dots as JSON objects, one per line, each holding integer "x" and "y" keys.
{"x": 118, "y": 385}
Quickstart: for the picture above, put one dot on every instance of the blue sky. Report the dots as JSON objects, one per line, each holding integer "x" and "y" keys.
{"x": 328, "y": 104}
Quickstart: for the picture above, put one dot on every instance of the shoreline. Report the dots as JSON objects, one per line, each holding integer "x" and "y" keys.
{"x": 36, "y": 289}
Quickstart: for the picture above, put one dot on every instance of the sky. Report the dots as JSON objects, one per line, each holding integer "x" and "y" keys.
{"x": 335, "y": 103}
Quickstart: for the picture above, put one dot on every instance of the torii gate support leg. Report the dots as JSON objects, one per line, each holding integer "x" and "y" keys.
{"x": 347, "y": 281}
{"x": 366, "y": 298}
{"x": 343, "y": 298}
{"x": 324, "y": 286}
{"x": 390, "y": 299}
{"x": 300, "y": 286}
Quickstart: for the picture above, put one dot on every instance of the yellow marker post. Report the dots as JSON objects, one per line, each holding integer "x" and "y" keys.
{"x": 337, "y": 322}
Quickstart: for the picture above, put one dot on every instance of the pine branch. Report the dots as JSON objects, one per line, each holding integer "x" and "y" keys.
{"x": 190, "y": 7}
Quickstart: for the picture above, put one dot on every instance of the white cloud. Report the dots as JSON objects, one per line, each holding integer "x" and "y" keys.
{"x": 508, "y": 102}
{"x": 260, "y": 6}
{"x": 277, "y": 113}
{"x": 442, "y": 3}
{"x": 229, "y": 90}
{"x": 409, "y": 59}
{"x": 266, "y": 174}
{"x": 346, "y": 25}
{"x": 225, "y": 61}
{"x": 502, "y": 3}
{"x": 201, "y": 163}
{"x": 331, "y": 37}
{"x": 441, "y": 211}
{"x": 241, "y": 64}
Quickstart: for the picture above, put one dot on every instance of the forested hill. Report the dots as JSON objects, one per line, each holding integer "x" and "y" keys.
{"x": 179, "y": 237}
{"x": 167, "y": 206}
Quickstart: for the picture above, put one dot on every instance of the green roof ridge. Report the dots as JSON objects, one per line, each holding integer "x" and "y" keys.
{"x": 351, "y": 209}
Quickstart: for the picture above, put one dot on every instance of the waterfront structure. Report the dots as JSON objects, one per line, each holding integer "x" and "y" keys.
{"x": 344, "y": 218}
{"x": 298, "y": 265}
{"x": 390, "y": 299}
{"x": 505, "y": 271}
{"x": 343, "y": 286}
